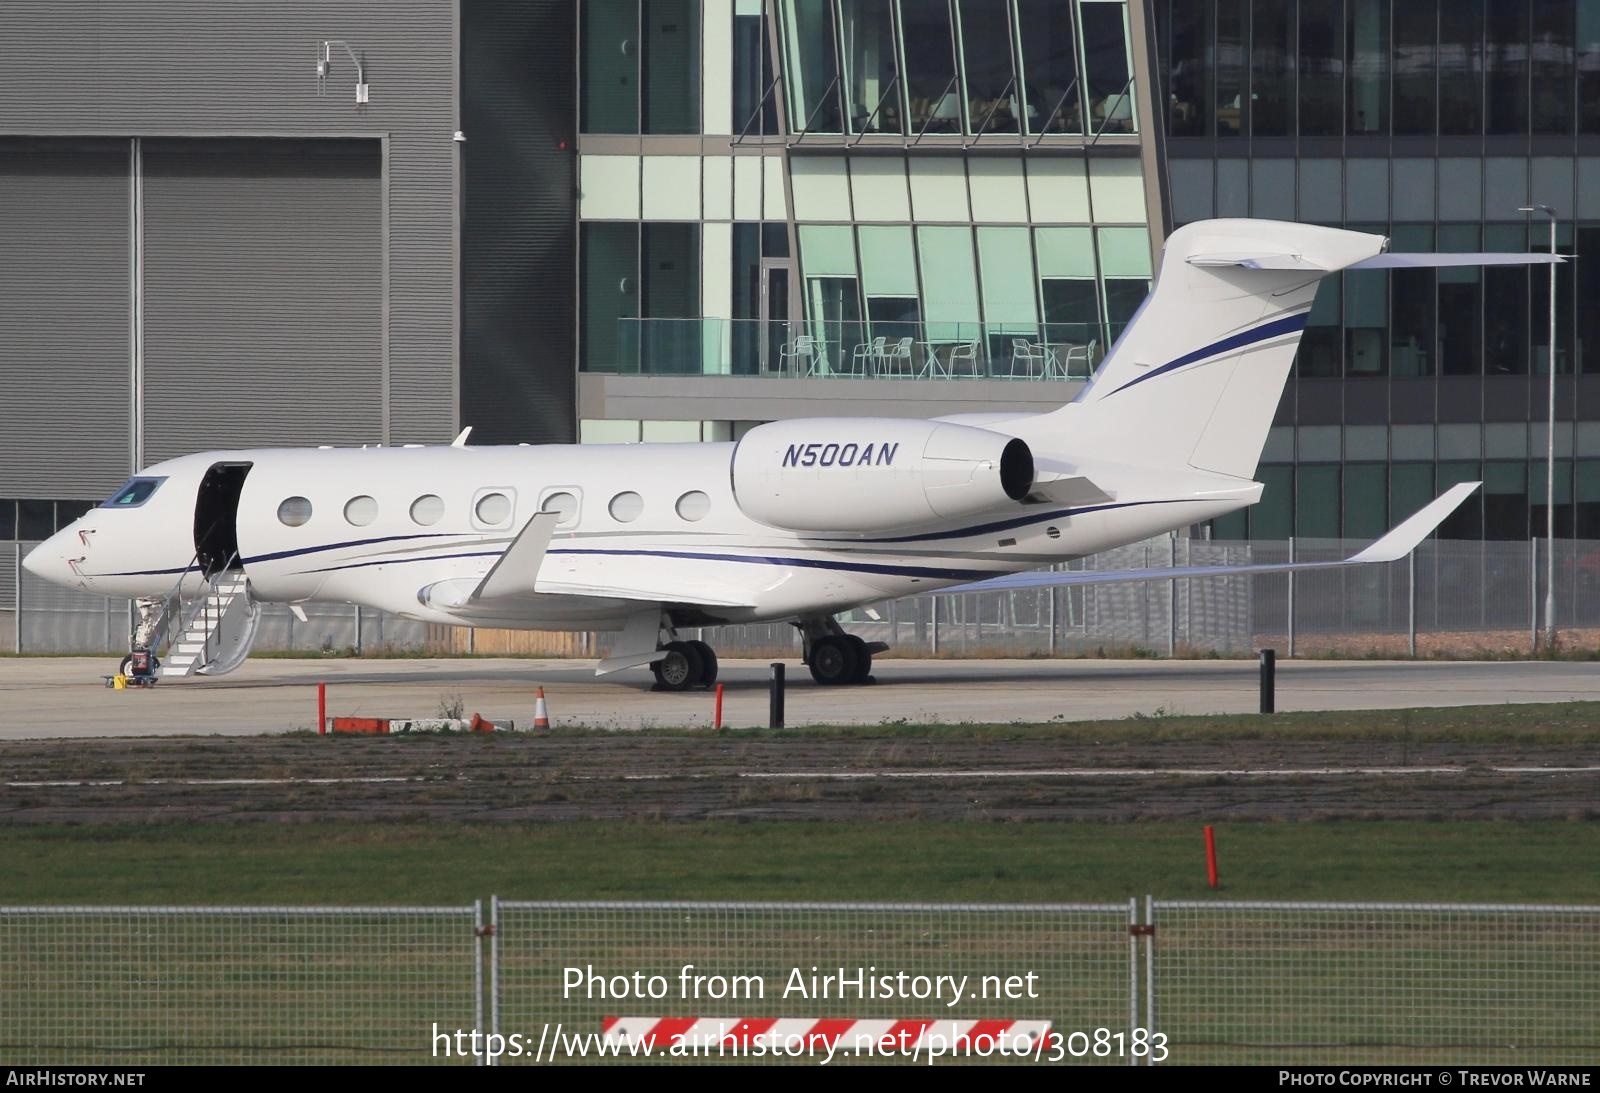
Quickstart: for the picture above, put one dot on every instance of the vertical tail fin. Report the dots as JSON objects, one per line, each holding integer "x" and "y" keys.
{"x": 1196, "y": 378}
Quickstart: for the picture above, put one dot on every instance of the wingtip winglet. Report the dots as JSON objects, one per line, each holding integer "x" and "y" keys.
{"x": 1405, "y": 536}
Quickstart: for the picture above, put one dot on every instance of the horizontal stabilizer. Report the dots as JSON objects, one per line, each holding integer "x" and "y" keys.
{"x": 1399, "y": 542}
{"x": 1061, "y": 484}
{"x": 1438, "y": 261}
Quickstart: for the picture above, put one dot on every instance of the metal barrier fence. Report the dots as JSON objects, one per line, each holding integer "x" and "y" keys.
{"x": 1214, "y": 981}
{"x": 1080, "y": 953}
{"x": 1376, "y": 983}
{"x": 1450, "y": 597}
{"x": 236, "y": 984}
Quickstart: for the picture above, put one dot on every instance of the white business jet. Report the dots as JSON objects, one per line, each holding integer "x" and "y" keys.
{"x": 797, "y": 521}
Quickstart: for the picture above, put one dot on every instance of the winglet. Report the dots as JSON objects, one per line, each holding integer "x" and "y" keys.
{"x": 461, "y": 439}
{"x": 1405, "y": 536}
{"x": 515, "y": 571}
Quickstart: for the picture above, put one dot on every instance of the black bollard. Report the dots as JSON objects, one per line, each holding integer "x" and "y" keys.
{"x": 1269, "y": 680}
{"x": 775, "y": 697}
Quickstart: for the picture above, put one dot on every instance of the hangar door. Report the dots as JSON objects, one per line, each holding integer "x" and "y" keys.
{"x": 65, "y": 310}
{"x": 263, "y": 293}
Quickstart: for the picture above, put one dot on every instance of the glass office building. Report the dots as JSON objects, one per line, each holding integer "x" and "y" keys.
{"x": 1432, "y": 122}
{"x": 923, "y": 205}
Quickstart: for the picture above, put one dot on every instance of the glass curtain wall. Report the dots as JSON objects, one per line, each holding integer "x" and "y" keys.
{"x": 914, "y": 68}
{"x": 640, "y": 66}
{"x": 1327, "y": 68}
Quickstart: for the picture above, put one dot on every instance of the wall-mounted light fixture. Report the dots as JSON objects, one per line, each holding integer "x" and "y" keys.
{"x": 325, "y": 68}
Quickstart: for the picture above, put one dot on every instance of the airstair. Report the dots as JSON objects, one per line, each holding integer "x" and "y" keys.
{"x": 215, "y": 630}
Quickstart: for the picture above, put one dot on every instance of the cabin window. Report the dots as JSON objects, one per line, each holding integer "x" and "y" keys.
{"x": 493, "y": 508}
{"x": 427, "y": 509}
{"x": 625, "y": 507}
{"x": 564, "y": 505}
{"x": 361, "y": 511}
{"x": 694, "y": 505}
{"x": 135, "y": 493}
{"x": 294, "y": 512}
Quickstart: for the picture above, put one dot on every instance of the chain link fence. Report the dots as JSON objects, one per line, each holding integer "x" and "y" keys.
{"x": 1375, "y": 983}
{"x": 212, "y": 985}
{"x": 1224, "y": 982}
{"x": 1449, "y": 598}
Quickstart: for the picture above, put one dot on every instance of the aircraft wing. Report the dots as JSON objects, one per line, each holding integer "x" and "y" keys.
{"x": 1399, "y": 542}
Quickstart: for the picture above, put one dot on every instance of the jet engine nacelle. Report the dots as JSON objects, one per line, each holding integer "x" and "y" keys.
{"x": 873, "y": 474}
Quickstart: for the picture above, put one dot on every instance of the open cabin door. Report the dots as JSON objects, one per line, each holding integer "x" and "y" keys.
{"x": 216, "y": 518}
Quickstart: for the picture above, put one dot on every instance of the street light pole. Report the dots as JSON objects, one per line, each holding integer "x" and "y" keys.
{"x": 1550, "y": 449}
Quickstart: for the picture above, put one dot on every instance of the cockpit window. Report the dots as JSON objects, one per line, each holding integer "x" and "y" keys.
{"x": 135, "y": 493}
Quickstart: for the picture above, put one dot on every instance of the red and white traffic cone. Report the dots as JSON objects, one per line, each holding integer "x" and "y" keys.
{"x": 541, "y": 712}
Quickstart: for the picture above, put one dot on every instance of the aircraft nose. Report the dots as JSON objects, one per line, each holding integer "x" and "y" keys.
{"x": 48, "y": 561}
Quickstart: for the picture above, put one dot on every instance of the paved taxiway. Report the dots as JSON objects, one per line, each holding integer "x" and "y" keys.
{"x": 64, "y": 697}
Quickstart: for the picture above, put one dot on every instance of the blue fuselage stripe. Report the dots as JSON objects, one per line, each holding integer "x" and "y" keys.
{"x": 1290, "y": 324}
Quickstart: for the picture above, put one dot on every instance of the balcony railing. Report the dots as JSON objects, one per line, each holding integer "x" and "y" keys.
{"x": 854, "y": 350}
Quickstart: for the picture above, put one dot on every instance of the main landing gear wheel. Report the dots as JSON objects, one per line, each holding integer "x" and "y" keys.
{"x": 708, "y": 662}
{"x": 834, "y": 660}
{"x": 684, "y": 666}
{"x": 863, "y": 673}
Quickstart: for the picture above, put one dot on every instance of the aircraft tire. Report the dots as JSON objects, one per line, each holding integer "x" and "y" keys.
{"x": 863, "y": 670}
{"x": 680, "y": 669}
{"x": 708, "y": 663}
{"x": 833, "y": 661}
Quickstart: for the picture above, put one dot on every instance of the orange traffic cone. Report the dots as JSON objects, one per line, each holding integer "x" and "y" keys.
{"x": 541, "y": 712}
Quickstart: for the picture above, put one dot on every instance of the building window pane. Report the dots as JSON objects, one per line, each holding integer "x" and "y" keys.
{"x": 1231, "y": 57}
{"x": 992, "y": 104}
{"x": 1366, "y": 317}
{"x": 1365, "y": 511}
{"x": 949, "y": 283}
{"x": 669, "y": 263}
{"x": 1461, "y": 67}
{"x": 671, "y": 64}
{"x": 1071, "y": 310}
{"x": 929, "y": 40}
{"x": 1271, "y": 76}
{"x": 1589, "y": 66}
{"x": 1410, "y": 487}
{"x": 8, "y": 519}
{"x": 1316, "y": 502}
{"x": 1367, "y": 45}
{"x": 1460, "y": 306}
{"x": 610, "y": 295}
{"x": 1588, "y": 287}
{"x": 752, "y": 75}
{"x": 1273, "y": 516}
{"x": 1507, "y": 56}
{"x": 1189, "y": 67}
{"x": 872, "y": 93}
{"x": 1123, "y": 297}
{"x": 1505, "y": 500}
{"x": 1010, "y": 301}
{"x": 1467, "y": 521}
{"x": 1321, "y": 68}
{"x": 835, "y": 312}
{"x": 1106, "y": 66}
{"x": 610, "y": 66}
{"x": 1505, "y": 325}
{"x": 1411, "y": 351}
{"x": 1320, "y": 350}
{"x": 1552, "y": 56}
{"x": 1051, "y": 96}
{"x": 1539, "y": 301}
{"x": 1416, "y": 25}
{"x": 811, "y": 68}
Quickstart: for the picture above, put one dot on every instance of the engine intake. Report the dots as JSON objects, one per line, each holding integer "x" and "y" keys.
{"x": 874, "y": 474}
